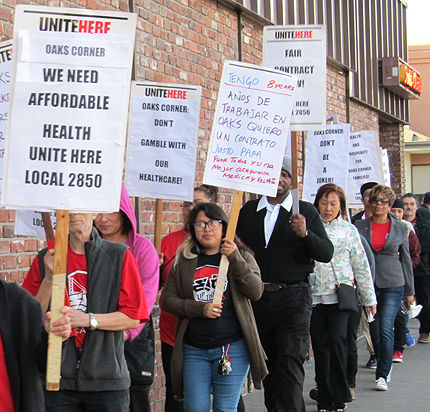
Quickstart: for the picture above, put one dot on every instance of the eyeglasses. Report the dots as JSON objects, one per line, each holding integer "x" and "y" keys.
{"x": 382, "y": 200}
{"x": 200, "y": 226}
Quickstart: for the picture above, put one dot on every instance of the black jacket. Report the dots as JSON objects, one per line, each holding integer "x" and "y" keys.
{"x": 24, "y": 344}
{"x": 357, "y": 216}
{"x": 287, "y": 258}
{"x": 422, "y": 229}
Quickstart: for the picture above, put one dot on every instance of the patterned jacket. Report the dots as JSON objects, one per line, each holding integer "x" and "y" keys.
{"x": 349, "y": 262}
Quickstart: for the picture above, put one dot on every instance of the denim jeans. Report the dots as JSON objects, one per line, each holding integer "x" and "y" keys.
{"x": 201, "y": 378}
{"x": 382, "y": 329}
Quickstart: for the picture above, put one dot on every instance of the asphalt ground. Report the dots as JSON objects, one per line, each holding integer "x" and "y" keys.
{"x": 408, "y": 391}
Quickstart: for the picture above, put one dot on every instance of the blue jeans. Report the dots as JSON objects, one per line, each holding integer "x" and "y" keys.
{"x": 382, "y": 329}
{"x": 201, "y": 378}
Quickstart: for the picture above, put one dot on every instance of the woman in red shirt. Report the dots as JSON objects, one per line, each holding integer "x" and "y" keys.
{"x": 393, "y": 275}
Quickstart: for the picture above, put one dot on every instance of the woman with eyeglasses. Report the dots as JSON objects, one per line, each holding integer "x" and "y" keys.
{"x": 215, "y": 344}
{"x": 168, "y": 321}
{"x": 388, "y": 238}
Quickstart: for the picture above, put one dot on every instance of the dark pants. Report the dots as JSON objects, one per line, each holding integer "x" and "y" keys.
{"x": 73, "y": 401}
{"x": 400, "y": 330}
{"x": 171, "y": 404}
{"x": 422, "y": 294}
{"x": 328, "y": 332}
{"x": 139, "y": 398}
{"x": 351, "y": 340}
{"x": 283, "y": 320}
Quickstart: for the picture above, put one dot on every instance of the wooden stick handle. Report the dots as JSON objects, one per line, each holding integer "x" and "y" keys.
{"x": 158, "y": 224}
{"x": 49, "y": 230}
{"x": 294, "y": 162}
{"x": 53, "y": 368}
{"x": 231, "y": 230}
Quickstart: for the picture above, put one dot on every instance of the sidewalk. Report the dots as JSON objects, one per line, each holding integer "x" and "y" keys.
{"x": 409, "y": 389}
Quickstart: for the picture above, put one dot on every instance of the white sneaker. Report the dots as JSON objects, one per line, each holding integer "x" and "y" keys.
{"x": 381, "y": 384}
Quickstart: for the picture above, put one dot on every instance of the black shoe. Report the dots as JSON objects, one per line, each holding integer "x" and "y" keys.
{"x": 371, "y": 364}
{"x": 313, "y": 394}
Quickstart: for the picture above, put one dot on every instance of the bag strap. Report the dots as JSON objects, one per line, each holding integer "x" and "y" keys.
{"x": 334, "y": 273}
{"x": 337, "y": 280}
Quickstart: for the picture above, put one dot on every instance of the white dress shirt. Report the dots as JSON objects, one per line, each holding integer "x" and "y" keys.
{"x": 272, "y": 213}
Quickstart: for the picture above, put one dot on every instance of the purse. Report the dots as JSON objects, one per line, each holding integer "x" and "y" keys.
{"x": 346, "y": 295}
{"x": 140, "y": 356}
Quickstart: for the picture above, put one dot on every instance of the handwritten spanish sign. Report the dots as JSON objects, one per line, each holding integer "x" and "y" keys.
{"x": 30, "y": 223}
{"x": 364, "y": 164}
{"x": 163, "y": 136}
{"x": 5, "y": 69}
{"x": 250, "y": 128}
{"x": 301, "y": 51}
{"x": 71, "y": 72}
{"x": 326, "y": 159}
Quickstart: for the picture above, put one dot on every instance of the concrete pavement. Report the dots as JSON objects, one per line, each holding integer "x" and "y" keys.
{"x": 409, "y": 390}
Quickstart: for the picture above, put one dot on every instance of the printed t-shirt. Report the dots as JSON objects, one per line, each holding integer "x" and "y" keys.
{"x": 131, "y": 297}
{"x": 380, "y": 233}
{"x": 169, "y": 247}
{"x": 209, "y": 333}
{"x": 6, "y": 399}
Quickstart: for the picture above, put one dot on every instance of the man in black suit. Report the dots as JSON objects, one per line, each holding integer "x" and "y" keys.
{"x": 285, "y": 248}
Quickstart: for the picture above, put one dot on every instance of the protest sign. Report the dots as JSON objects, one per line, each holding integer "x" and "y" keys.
{"x": 162, "y": 140}
{"x": 30, "y": 223}
{"x": 5, "y": 68}
{"x": 250, "y": 128}
{"x": 301, "y": 51}
{"x": 385, "y": 166}
{"x": 71, "y": 72}
{"x": 364, "y": 164}
{"x": 326, "y": 159}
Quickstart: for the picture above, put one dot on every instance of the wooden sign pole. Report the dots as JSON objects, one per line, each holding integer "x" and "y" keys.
{"x": 53, "y": 369}
{"x": 49, "y": 230}
{"x": 231, "y": 230}
{"x": 294, "y": 161}
{"x": 158, "y": 224}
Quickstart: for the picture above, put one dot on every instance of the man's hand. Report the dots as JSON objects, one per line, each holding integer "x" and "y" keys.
{"x": 60, "y": 327}
{"x": 298, "y": 224}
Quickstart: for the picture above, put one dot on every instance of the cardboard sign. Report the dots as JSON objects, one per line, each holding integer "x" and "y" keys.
{"x": 364, "y": 164}
{"x": 301, "y": 51}
{"x": 71, "y": 72}
{"x": 385, "y": 167}
{"x": 29, "y": 223}
{"x": 326, "y": 159}
{"x": 162, "y": 140}
{"x": 250, "y": 128}
{"x": 5, "y": 74}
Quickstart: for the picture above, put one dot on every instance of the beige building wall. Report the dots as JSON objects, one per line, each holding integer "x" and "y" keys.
{"x": 419, "y": 58}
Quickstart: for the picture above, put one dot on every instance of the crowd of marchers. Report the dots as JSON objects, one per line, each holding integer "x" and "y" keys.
{"x": 294, "y": 280}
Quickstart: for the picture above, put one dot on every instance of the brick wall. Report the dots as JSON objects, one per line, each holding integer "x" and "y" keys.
{"x": 391, "y": 137}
